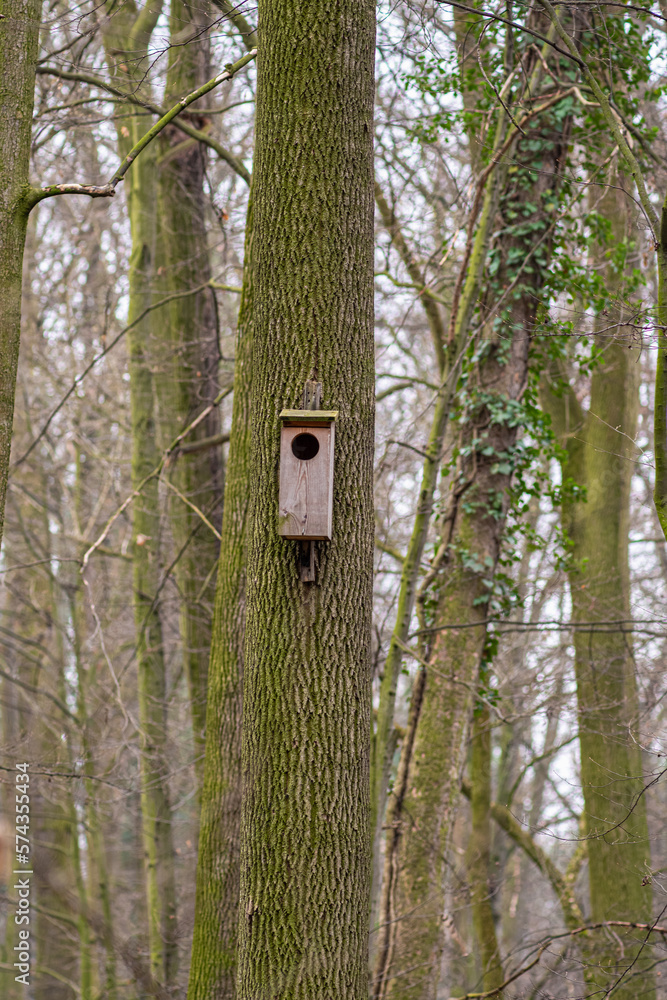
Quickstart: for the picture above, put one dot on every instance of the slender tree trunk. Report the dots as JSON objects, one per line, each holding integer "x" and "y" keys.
{"x": 187, "y": 378}
{"x": 19, "y": 33}
{"x": 213, "y": 968}
{"x": 63, "y": 937}
{"x": 449, "y": 350}
{"x": 561, "y": 883}
{"x": 129, "y": 33}
{"x": 600, "y": 457}
{"x": 450, "y": 355}
{"x": 305, "y": 849}
{"x": 478, "y": 856}
{"x": 61, "y": 934}
{"x": 155, "y": 806}
{"x": 213, "y": 963}
{"x": 423, "y": 804}
{"x": 156, "y": 810}
{"x": 12, "y": 741}
{"x": 70, "y": 832}
{"x": 98, "y": 877}
{"x": 56, "y": 928}
{"x": 660, "y": 402}
{"x": 60, "y": 940}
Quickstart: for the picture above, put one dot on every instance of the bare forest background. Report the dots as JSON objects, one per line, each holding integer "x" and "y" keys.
{"x": 517, "y": 840}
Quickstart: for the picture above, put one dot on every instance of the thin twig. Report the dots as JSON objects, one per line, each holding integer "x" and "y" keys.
{"x": 196, "y": 509}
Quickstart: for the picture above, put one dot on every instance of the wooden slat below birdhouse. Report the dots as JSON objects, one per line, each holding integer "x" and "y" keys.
{"x": 305, "y": 499}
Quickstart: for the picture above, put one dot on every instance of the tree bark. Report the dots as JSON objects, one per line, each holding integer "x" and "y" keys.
{"x": 129, "y": 32}
{"x": 660, "y": 401}
{"x": 213, "y": 968}
{"x": 188, "y": 354}
{"x": 384, "y": 743}
{"x": 61, "y": 938}
{"x": 478, "y": 857}
{"x": 305, "y": 849}
{"x": 19, "y": 34}
{"x": 423, "y": 804}
{"x": 213, "y": 963}
{"x": 601, "y": 454}
{"x": 97, "y": 874}
{"x": 13, "y": 745}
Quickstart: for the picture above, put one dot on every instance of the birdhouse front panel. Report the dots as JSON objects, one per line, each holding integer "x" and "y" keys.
{"x": 306, "y": 478}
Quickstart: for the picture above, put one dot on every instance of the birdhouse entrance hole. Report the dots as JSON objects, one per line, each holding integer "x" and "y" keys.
{"x": 305, "y": 447}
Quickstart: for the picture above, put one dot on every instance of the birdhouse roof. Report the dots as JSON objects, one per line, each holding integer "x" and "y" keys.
{"x": 308, "y": 417}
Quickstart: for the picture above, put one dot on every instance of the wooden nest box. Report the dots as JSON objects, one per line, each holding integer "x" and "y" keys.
{"x": 305, "y": 500}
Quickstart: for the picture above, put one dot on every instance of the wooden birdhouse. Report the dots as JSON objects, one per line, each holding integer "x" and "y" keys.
{"x": 305, "y": 500}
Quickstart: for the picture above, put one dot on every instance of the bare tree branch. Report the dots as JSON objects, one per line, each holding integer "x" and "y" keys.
{"x": 35, "y": 195}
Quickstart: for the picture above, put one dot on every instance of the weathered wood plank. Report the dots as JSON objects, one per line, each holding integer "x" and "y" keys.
{"x": 306, "y": 483}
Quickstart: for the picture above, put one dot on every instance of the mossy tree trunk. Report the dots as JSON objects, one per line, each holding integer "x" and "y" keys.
{"x": 128, "y": 32}
{"x": 305, "y": 833}
{"x": 601, "y": 454}
{"x": 478, "y": 857}
{"x": 448, "y": 352}
{"x": 213, "y": 956}
{"x": 471, "y": 47}
{"x": 19, "y": 34}
{"x": 213, "y": 965}
{"x": 657, "y": 221}
{"x": 660, "y": 402}
{"x": 187, "y": 372}
{"x": 423, "y": 804}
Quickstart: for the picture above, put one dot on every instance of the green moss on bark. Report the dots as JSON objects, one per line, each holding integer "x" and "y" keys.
{"x": 305, "y": 846}
{"x": 187, "y": 357}
{"x": 19, "y": 33}
{"x": 128, "y": 32}
{"x": 422, "y": 808}
{"x": 600, "y": 453}
{"x": 213, "y": 966}
{"x": 478, "y": 856}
